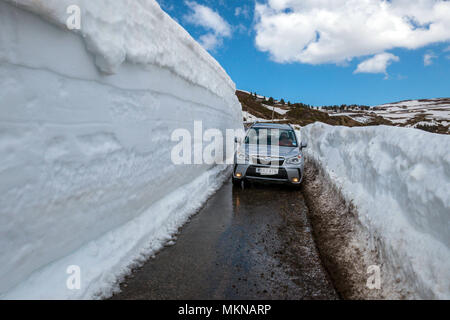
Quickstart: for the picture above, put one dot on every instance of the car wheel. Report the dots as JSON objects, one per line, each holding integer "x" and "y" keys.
{"x": 236, "y": 182}
{"x": 296, "y": 186}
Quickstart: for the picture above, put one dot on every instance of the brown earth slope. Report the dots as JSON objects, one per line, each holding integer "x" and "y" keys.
{"x": 297, "y": 114}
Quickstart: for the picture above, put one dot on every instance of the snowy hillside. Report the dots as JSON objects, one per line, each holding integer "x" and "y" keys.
{"x": 429, "y": 111}
{"x": 428, "y": 114}
{"x": 398, "y": 179}
{"x": 85, "y": 140}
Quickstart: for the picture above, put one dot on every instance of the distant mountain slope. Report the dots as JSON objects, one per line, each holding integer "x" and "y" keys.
{"x": 258, "y": 108}
{"x": 413, "y": 113}
{"x": 431, "y": 115}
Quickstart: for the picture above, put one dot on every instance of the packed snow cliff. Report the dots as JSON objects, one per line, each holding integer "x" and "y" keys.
{"x": 86, "y": 116}
{"x": 399, "y": 181}
{"x": 137, "y": 31}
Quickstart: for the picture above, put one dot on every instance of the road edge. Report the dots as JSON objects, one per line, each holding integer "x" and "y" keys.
{"x": 341, "y": 240}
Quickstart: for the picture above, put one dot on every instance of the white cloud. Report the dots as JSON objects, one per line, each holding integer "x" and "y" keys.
{"x": 210, "y": 20}
{"x": 428, "y": 58}
{"x": 377, "y": 64}
{"x": 210, "y": 41}
{"x": 336, "y": 31}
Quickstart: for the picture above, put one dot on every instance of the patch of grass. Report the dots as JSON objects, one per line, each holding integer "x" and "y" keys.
{"x": 378, "y": 121}
{"x": 303, "y": 116}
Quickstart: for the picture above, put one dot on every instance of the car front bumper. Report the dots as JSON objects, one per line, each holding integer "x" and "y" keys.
{"x": 287, "y": 174}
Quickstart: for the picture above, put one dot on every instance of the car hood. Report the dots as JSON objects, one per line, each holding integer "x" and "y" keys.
{"x": 285, "y": 152}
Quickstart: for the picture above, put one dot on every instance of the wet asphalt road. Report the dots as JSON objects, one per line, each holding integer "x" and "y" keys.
{"x": 252, "y": 243}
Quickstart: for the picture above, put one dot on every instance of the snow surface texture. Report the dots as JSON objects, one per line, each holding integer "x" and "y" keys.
{"x": 85, "y": 140}
{"x": 399, "y": 179}
{"x": 140, "y": 32}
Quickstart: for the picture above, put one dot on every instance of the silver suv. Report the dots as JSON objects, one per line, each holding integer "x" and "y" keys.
{"x": 269, "y": 152}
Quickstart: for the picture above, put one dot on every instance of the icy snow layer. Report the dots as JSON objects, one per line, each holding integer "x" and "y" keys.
{"x": 249, "y": 118}
{"x": 85, "y": 171}
{"x": 105, "y": 260}
{"x": 399, "y": 180}
{"x": 140, "y": 32}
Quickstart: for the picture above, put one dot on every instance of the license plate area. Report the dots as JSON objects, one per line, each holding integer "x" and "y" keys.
{"x": 267, "y": 171}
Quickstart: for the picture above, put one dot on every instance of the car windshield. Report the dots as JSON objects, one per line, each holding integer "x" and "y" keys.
{"x": 268, "y": 136}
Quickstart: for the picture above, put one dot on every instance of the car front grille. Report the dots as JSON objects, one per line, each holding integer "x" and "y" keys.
{"x": 267, "y": 161}
{"x": 251, "y": 172}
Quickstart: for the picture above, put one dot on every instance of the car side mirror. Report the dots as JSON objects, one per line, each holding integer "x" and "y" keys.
{"x": 303, "y": 145}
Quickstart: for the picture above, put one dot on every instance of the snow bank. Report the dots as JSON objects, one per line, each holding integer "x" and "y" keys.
{"x": 86, "y": 119}
{"x": 399, "y": 180}
{"x": 137, "y": 31}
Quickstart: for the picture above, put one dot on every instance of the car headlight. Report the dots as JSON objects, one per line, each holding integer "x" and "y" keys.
{"x": 294, "y": 160}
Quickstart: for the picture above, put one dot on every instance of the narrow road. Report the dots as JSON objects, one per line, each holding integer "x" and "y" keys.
{"x": 253, "y": 243}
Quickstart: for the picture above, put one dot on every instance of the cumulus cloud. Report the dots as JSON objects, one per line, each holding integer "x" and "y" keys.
{"x": 210, "y": 41}
{"x": 428, "y": 58}
{"x": 377, "y": 64}
{"x": 210, "y": 20}
{"x": 336, "y": 31}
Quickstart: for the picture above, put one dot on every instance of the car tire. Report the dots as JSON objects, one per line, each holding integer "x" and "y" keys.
{"x": 236, "y": 182}
{"x": 296, "y": 186}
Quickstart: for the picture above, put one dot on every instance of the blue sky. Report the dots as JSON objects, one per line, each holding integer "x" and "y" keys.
{"x": 264, "y": 48}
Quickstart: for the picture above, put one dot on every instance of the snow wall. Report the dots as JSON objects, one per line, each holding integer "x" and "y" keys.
{"x": 399, "y": 181}
{"x": 86, "y": 117}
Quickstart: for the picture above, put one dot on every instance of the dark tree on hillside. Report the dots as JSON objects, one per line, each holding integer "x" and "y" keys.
{"x": 282, "y": 102}
{"x": 289, "y": 103}
{"x": 271, "y": 101}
